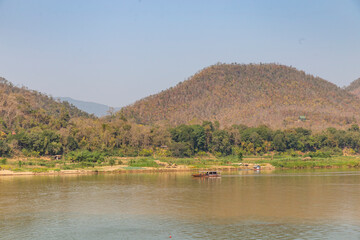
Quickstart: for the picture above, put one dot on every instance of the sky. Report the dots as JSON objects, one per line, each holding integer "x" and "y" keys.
{"x": 115, "y": 52}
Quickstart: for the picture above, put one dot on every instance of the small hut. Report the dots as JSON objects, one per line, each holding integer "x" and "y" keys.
{"x": 57, "y": 157}
{"x": 302, "y": 118}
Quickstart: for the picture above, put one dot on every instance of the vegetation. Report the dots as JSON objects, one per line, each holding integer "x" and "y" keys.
{"x": 354, "y": 88}
{"x": 22, "y": 108}
{"x": 142, "y": 162}
{"x": 253, "y": 94}
{"x": 297, "y": 162}
{"x": 33, "y": 125}
{"x": 93, "y": 140}
{"x": 279, "y": 161}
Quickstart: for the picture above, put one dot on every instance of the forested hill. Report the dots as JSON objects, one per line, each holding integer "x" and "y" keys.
{"x": 354, "y": 88}
{"x": 24, "y": 108}
{"x": 253, "y": 94}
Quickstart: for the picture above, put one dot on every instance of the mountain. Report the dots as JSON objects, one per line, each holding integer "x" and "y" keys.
{"x": 97, "y": 109}
{"x": 276, "y": 95}
{"x": 24, "y": 108}
{"x": 354, "y": 88}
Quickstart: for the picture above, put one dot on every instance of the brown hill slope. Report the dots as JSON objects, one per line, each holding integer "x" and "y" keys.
{"x": 23, "y": 108}
{"x": 354, "y": 88}
{"x": 253, "y": 94}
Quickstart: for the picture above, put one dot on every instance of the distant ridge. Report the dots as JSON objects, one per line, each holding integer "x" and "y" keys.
{"x": 253, "y": 94}
{"x": 97, "y": 109}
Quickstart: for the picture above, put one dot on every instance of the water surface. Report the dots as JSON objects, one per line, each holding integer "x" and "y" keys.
{"x": 240, "y": 205}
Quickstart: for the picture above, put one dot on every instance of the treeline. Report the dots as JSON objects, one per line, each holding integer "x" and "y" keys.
{"x": 115, "y": 135}
{"x": 189, "y": 140}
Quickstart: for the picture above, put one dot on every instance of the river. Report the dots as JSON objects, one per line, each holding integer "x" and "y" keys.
{"x": 317, "y": 204}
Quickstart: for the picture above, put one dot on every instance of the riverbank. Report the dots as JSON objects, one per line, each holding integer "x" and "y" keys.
{"x": 124, "y": 169}
{"x": 48, "y": 166}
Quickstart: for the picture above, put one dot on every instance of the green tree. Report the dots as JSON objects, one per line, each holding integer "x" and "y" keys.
{"x": 180, "y": 149}
{"x": 279, "y": 142}
{"x": 221, "y": 142}
{"x": 4, "y": 149}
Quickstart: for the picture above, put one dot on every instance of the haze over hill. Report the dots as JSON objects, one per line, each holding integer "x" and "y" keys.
{"x": 253, "y": 94}
{"x": 21, "y": 107}
{"x": 97, "y": 109}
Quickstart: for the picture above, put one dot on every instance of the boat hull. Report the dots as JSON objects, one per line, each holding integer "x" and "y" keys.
{"x": 201, "y": 175}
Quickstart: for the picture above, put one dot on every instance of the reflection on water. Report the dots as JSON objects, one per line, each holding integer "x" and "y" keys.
{"x": 244, "y": 204}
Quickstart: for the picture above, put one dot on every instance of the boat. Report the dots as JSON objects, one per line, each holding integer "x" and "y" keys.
{"x": 207, "y": 174}
{"x": 257, "y": 168}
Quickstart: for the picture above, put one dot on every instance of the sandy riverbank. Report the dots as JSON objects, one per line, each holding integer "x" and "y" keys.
{"x": 122, "y": 169}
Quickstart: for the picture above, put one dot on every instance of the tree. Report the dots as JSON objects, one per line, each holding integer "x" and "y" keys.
{"x": 221, "y": 142}
{"x": 208, "y": 130}
{"x": 112, "y": 161}
{"x": 4, "y": 149}
{"x": 255, "y": 139}
{"x": 72, "y": 144}
{"x": 279, "y": 142}
{"x": 354, "y": 128}
{"x": 180, "y": 149}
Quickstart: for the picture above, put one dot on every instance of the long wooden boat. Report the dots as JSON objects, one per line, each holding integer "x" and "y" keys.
{"x": 207, "y": 174}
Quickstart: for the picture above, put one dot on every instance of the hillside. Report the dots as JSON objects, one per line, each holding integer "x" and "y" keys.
{"x": 24, "y": 108}
{"x": 253, "y": 94}
{"x": 97, "y": 109}
{"x": 354, "y": 88}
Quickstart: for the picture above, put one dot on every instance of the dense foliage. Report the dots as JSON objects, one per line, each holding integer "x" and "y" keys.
{"x": 91, "y": 139}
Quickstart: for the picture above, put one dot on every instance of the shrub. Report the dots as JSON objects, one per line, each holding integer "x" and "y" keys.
{"x": 318, "y": 154}
{"x": 217, "y": 154}
{"x": 67, "y": 167}
{"x": 54, "y": 148}
{"x": 146, "y": 152}
{"x": 240, "y": 156}
{"x": 202, "y": 154}
{"x": 4, "y": 149}
{"x": 111, "y": 161}
{"x": 50, "y": 165}
{"x": 160, "y": 152}
{"x": 42, "y": 163}
{"x": 128, "y": 152}
{"x": 85, "y": 156}
{"x": 143, "y": 162}
{"x": 38, "y": 170}
{"x": 87, "y": 164}
{"x": 180, "y": 149}
{"x": 28, "y": 153}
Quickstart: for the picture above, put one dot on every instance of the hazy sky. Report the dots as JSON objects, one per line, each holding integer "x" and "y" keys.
{"x": 115, "y": 52}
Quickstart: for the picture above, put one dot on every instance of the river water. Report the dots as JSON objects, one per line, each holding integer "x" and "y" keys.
{"x": 321, "y": 204}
